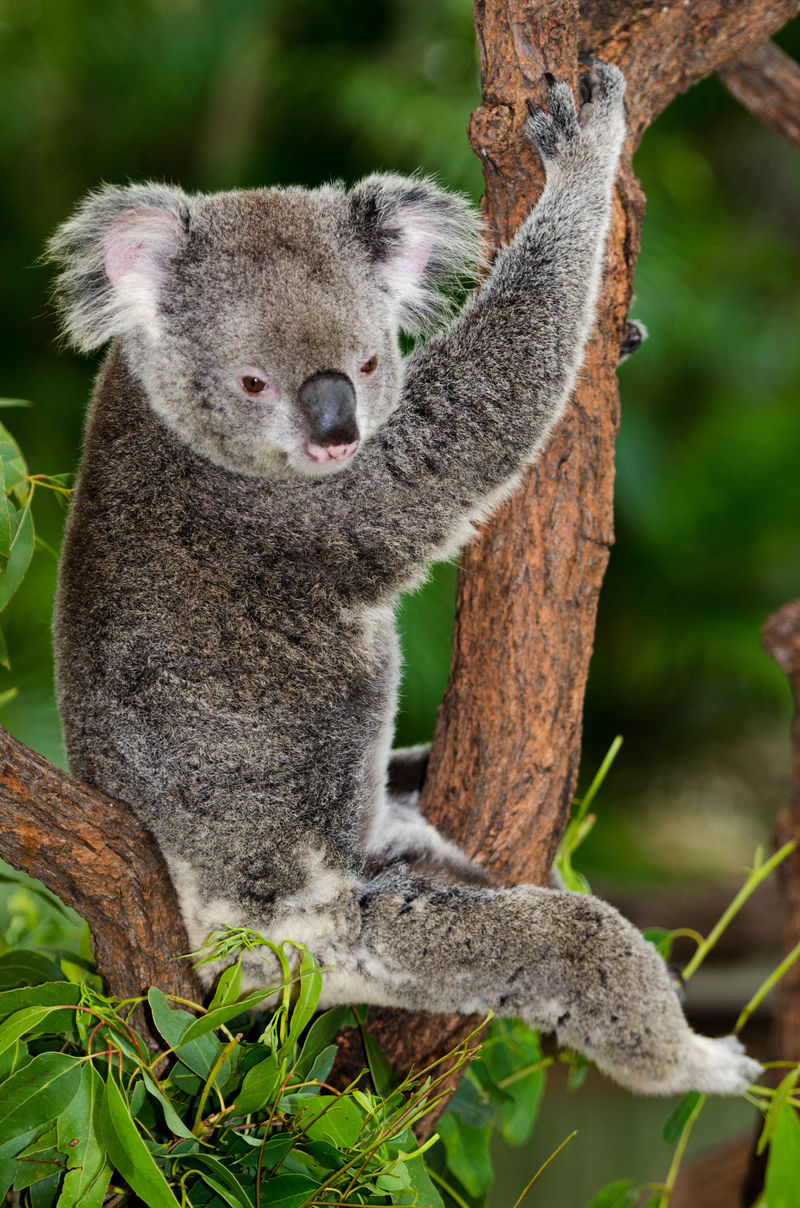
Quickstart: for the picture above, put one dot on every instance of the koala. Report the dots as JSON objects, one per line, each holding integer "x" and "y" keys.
{"x": 263, "y": 475}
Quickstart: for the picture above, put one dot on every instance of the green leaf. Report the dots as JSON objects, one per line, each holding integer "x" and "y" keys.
{"x": 220, "y": 1177}
{"x": 19, "y": 556}
{"x": 259, "y": 1086}
{"x": 13, "y": 1028}
{"x": 229, "y": 987}
{"x": 383, "y": 1076}
{"x": 289, "y": 1190}
{"x": 621, "y": 1194}
{"x": 44, "y": 1193}
{"x": 48, "y": 994}
{"x": 171, "y": 1117}
{"x": 15, "y": 402}
{"x": 779, "y": 1099}
{"x": 128, "y": 1152}
{"x": 677, "y": 1119}
{"x": 38, "y": 1160}
{"x": 335, "y": 1118}
{"x": 467, "y": 1152}
{"x": 309, "y": 981}
{"x": 13, "y": 1059}
{"x": 661, "y": 939}
{"x": 88, "y": 1172}
{"x": 38, "y": 1092}
{"x": 782, "y": 1184}
{"x": 213, "y": 1019}
{"x": 470, "y": 1104}
{"x": 424, "y": 1191}
{"x": 321, "y": 1068}
{"x": 200, "y": 1054}
{"x": 320, "y": 1034}
{"x": 8, "y": 1156}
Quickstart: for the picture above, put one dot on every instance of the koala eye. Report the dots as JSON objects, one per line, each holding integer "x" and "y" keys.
{"x": 253, "y": 385}
{"x": 369, "y": 366}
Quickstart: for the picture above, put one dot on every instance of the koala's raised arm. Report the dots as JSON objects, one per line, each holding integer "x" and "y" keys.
{"x": 479, "y": 400}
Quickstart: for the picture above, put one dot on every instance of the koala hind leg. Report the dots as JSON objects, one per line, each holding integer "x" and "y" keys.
{"x": 564, "y": 962}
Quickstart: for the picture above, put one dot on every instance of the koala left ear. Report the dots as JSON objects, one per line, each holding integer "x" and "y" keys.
{"x": 115, "y": 253}
{"x": 420, "y": 239}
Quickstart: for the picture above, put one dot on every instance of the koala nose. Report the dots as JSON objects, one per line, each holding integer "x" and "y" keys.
{"x": 328, "y": 403}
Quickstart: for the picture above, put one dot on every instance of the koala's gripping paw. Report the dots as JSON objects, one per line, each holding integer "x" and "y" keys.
{"x": 598, "y": 123}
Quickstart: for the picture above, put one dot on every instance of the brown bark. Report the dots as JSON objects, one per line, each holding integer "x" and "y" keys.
{"x": 767, "y": 82}
{"x": 781, "y": 638}
{"x": 96, "y": 855}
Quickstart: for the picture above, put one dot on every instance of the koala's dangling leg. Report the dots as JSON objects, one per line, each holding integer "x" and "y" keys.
{"x": 635, "y": 335}
{"x": 564, "y": 962}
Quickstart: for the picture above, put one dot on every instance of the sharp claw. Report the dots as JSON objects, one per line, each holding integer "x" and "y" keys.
{"x": 549, "y": 78}
{"x": 532, "y": 110}
{"x": 588, "y": 60}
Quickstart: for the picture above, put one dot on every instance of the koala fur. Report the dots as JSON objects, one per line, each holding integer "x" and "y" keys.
{"x": 263, "y": 474}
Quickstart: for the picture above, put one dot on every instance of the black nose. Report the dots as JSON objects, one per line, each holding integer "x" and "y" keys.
{"x": 328, "y": 402}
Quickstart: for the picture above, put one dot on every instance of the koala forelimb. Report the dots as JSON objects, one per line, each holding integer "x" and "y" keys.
{"x": 262, "y": 475}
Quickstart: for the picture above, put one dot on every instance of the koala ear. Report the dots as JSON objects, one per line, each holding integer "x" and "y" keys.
{"x": 114, "y": 255}
{"x": 420, "y": 239}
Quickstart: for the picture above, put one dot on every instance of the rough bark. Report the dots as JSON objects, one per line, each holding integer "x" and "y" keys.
{"x": 767, "y": 82}
{"x": 95, "y": 854}
{"x": 781, "y": 637}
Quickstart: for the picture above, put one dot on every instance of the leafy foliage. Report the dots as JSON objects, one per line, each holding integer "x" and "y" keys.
{"x": 211, "y": 1117}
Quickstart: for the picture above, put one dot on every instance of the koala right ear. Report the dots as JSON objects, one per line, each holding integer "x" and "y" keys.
{"x": 114, "y": 254}
{"x": 420, "y": 238}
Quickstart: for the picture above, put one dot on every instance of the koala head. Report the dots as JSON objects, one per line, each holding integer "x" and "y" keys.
{"x": 263, "y": 324}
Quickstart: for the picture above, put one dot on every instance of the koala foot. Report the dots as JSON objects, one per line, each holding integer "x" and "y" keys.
{"x": 713, "y": 1067}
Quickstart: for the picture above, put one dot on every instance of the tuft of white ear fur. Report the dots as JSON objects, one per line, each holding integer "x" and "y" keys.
{"x": 114, "y": 254}
{"x": 421, "y": 240}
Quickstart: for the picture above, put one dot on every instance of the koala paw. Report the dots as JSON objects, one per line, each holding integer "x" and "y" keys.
{"x": 714, "y": 1067}
{"x": 600, "y": 118}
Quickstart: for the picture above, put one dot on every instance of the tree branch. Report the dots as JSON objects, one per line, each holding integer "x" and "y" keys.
{"x": 767, "y": 82}
{"x": 95, "y": 854}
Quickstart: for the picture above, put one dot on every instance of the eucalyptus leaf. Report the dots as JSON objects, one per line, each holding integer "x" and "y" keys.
{"x": 47, "y": 994}
{"x": 38, "y": 1092}
{"x": 19, "y": 557}
{"x": 128, "y": 1152}
{"x": 782, "y": 1183}
{"x": 171, "y": 1117}
{"x": 319, "y": 1036}
{"x": 259, "y": 1086}
{"x": 290, "y": 1190}
{"x": 88, "y": 1171}
{"x": 621, "y": 1194}
{"x": 467, "y": 1152}
{"x": 309, "y": 982}
{"x": 677, "y": 1119}
{"x": 229, "y": 987}
{"x": 220, "y": 1177}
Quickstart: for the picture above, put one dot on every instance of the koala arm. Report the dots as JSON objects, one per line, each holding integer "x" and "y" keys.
{"x": 480, "y": 399}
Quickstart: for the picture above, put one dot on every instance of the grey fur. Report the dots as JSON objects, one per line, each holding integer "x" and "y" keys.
{"x": 226, "y": 654}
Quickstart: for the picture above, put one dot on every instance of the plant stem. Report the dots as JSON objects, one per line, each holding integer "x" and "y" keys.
{"x": 544, "y": 1165}
{"x": 765, "y": 987}
{"x": 757, "y": 875}
{"x": 680, "y": 1149}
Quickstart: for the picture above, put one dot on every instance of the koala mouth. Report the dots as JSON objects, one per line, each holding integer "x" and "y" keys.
{"x": 324, "y": 454}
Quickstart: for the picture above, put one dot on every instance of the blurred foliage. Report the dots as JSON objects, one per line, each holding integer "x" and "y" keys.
{"x": 244, "y": 92}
